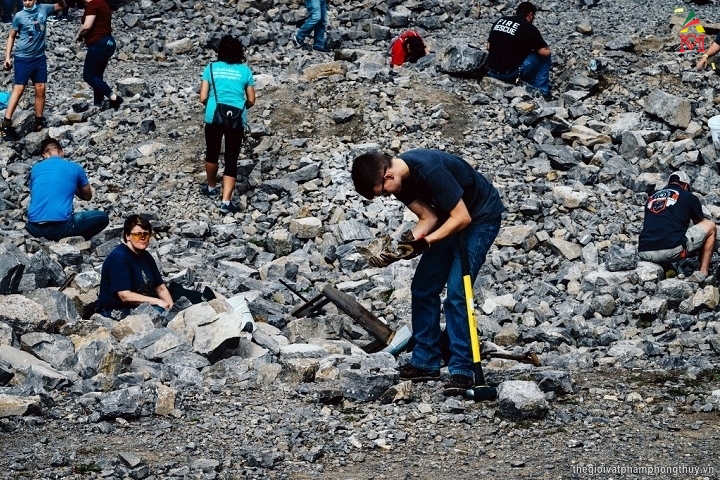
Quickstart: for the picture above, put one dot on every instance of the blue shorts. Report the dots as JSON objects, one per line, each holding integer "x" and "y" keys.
{"x": 34, "y": 69}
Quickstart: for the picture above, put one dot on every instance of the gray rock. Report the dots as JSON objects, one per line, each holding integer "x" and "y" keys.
{"x": 12, "y": 406}
{"x": 521, "y": 399}
{"x": 674, "y": 110}
{"x": 178, "y": 47}
{"x": 130, "y": 402}
{"x": 398, "y": 17}
{"x": 208, "y": 327}
{"x": 561, "y": 157}
{"x": 97, "y": 352}
{"x": 622, "y": 42}
{"x": 159, "y": 343}
{"x": 558, "y": 381}
{"x": 131, "y": 86}
{"x": 11, "y": 272}
{"x": 58, "y": 306}
{"x": 621, "y": 256}
{"x": 57, "y": 350}
{"x": 28, "y": 365}
{"x": 460, "y": 58}
{"x": 306, "y": 227}
{"x": 23, "y": 314}
{"x": 633, "y": 145}
{"x": 362, "y": 385}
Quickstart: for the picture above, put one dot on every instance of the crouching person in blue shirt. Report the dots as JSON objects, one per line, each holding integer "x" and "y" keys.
{"x": 54, "y": 182}
{"x": 129, "y": 274}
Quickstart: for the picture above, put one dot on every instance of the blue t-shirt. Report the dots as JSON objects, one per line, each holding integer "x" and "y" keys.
{"x": 30, "y": 28}
{"x": 123, "y": 270}
{"x": 441, "y": 180}
{"x": 53, "y": 185}
{"x": 668, "y": 213}
{"x": 229, "y": 81}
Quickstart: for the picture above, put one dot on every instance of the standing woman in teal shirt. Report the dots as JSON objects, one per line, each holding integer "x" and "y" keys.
{"x": 229, "y": 82}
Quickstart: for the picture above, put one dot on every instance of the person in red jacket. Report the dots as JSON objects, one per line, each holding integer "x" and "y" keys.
{"x": 407, "y": 47}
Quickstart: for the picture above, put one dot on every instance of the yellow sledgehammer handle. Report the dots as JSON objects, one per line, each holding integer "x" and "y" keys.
{"x": 470, "y": 305}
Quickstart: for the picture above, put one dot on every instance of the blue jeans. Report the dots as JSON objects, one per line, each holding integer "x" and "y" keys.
{"x": 315, "y": 23}
{"x": 96, "y": 60}
{"x": 438, "y": 266}
{"x": 535, "y": 70}
{"x": 83, "y": 224}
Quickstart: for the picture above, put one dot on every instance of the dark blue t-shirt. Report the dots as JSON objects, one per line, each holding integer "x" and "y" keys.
{"x": 125, "y": 270}
{"x": 441, "y": 180}
{"x": 668, "y": 213}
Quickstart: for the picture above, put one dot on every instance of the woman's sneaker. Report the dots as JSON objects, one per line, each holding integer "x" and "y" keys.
{"x": 209, "y": 192}
{"x": 229, "y": 207}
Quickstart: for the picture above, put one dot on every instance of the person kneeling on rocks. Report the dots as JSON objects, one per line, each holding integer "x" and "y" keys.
{"x": 517, "y": 50}
{"x": 131, "y": 277}
{"x": 406, "y": 47}
{"x": 129, "y": 274}
{"x": 451, "y": 200}
{"x": 665, "y": 236}
{"x": 54, "y": 182}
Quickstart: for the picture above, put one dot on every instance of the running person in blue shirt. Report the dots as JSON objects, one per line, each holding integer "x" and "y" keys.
{"x": 27, "y": 35}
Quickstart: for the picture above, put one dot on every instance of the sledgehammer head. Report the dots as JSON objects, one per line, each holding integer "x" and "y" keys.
{"x": 481, "y": 394}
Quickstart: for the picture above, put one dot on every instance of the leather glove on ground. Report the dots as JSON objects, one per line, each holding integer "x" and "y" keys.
{"x": 408, "y": 250}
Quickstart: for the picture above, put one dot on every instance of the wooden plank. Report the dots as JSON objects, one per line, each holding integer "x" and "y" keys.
{"x": 367, "y": 320}
{"x": 308, "y": 309}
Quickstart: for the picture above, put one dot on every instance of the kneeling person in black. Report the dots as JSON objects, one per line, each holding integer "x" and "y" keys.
{"x": 517, "y": 50}
{"x": 129, "y": 274}
{"x": 665, "y": 236}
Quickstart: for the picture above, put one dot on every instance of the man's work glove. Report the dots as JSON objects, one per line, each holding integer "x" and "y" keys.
{"x": 379, "y": 253}
{"x": 408, "y": 250}
{"x": 378, "y": 261}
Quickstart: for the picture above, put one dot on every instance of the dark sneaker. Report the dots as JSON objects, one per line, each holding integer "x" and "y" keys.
{"x": 8, "y": 133}
{"x": 322, "y": 49}
{"x": 297, "y": 42}
{"x": 40, "y": 123}
{"x": 229, "y": 207}
{"x": 209, "y": 192}
{"x": 408, "y": 372}
{"x": 458, "y": 385}
{"x": 115, "y": 104}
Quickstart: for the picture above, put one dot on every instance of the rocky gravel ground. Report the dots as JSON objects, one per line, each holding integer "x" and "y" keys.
{"x": 629, "y": 385}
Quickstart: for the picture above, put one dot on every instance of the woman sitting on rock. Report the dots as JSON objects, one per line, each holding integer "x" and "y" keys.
{"x": 228, "y": 81}
{"x": 407, "y": 47}
{"x": 129, "y": 274}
